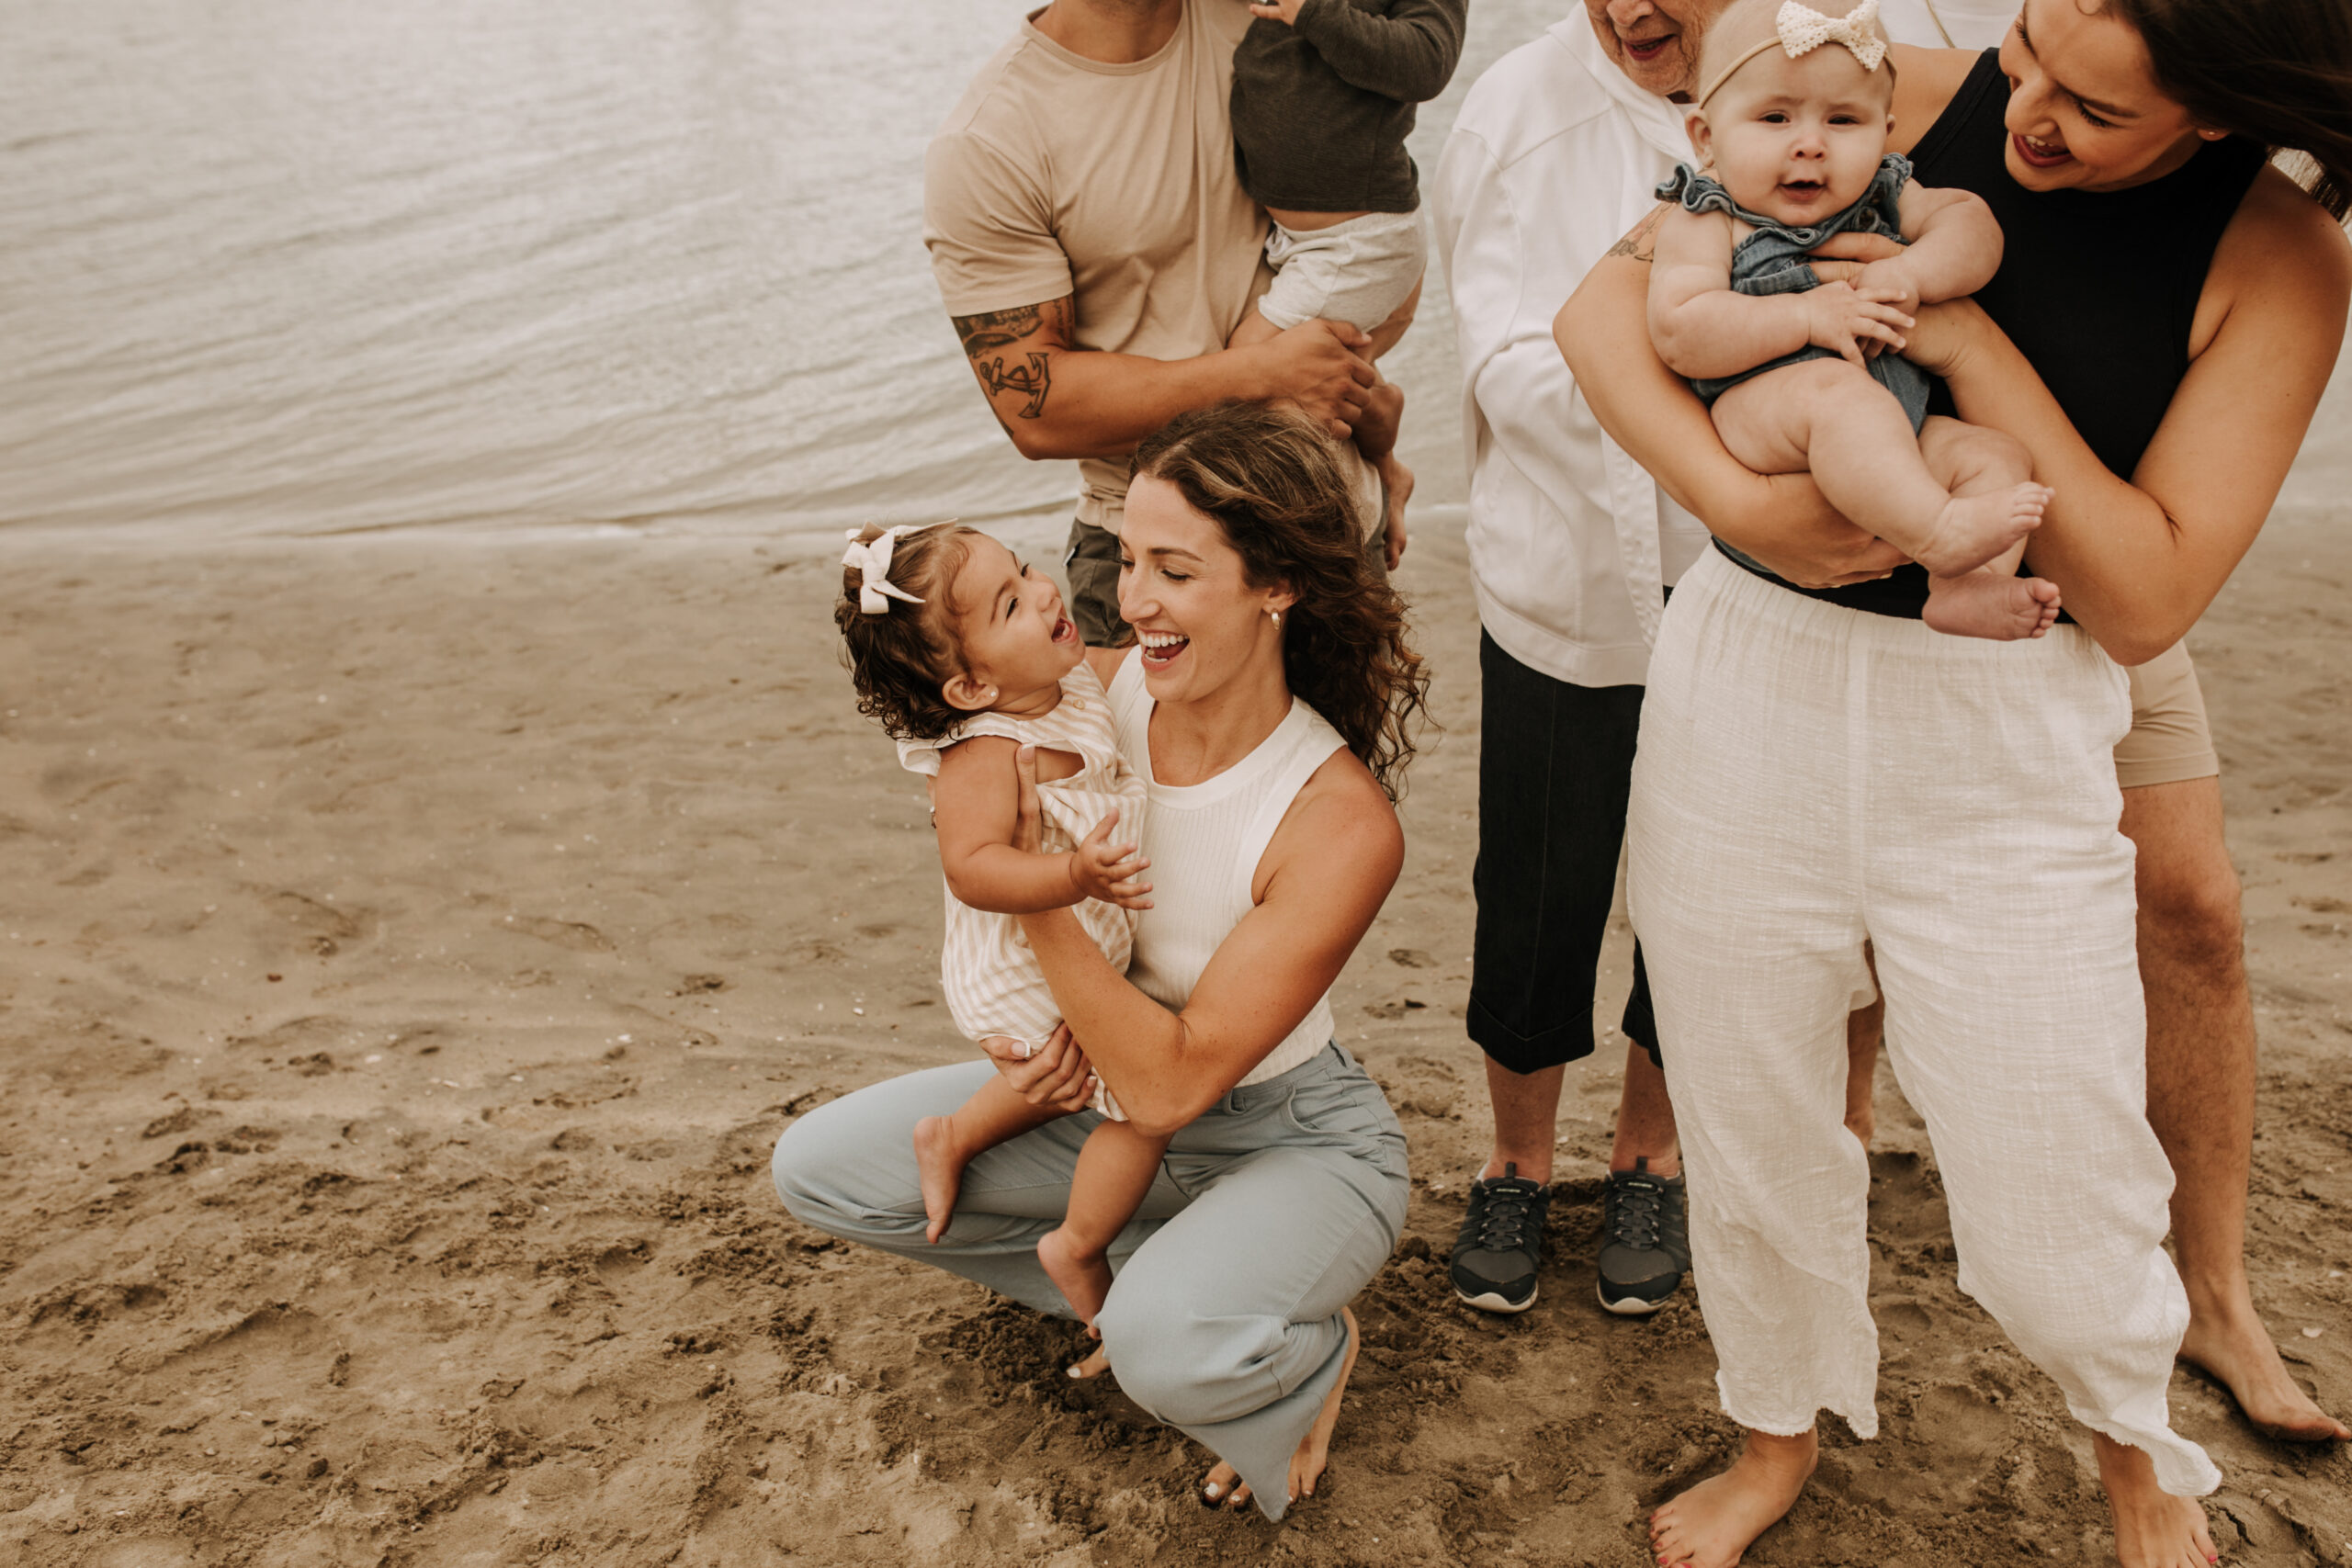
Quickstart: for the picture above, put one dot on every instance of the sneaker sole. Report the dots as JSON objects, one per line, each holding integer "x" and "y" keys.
{"x": 1629, "y": 1306}
{"x": 1490, "y": 1301}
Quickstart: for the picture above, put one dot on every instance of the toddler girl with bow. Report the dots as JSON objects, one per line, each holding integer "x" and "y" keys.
{"x": 965, "y": 657}
{"x": 1790, "y": 125}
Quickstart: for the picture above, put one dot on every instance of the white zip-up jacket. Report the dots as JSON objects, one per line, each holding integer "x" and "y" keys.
{"x": 1552, "y": 158}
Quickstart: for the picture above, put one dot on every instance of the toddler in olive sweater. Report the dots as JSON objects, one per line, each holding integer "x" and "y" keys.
{"x": 1323, "y": 97}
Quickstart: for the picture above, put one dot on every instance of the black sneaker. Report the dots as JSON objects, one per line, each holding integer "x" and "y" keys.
{"x": 1501, "y": 1242}
{"x": 1644, "y": 1240}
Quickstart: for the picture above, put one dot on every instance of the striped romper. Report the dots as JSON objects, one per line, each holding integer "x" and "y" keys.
{"x": 993, "y": 983}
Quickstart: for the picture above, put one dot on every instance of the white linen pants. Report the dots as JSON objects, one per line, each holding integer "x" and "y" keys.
{"x": 1811, "y": 778}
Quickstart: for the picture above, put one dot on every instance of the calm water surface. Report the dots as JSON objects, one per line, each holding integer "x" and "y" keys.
{"x": 307, "y": 266}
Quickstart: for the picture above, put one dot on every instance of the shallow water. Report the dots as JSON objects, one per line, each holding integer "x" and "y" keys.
{"x": 325, "y": 266}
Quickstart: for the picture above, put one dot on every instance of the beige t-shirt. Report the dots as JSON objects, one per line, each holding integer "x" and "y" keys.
{"x": 1059, "y": 174}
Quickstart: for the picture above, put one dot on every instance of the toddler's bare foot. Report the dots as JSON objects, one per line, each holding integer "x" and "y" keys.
{"x": 1306, "y": 1464}
{"x": 2153, "y": 1527}
{"x": 1973, "y": 529}
{"x": 1711, "y": 1525}
{"x": 939, "y": 1160}
{"x": 1984, "y": 603}
{"x": 1081, "y": 1274}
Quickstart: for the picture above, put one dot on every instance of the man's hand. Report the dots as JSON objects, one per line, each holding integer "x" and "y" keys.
{"x": 1317, "y": 366}
{"x": 1101, "y": 869}
{"x": 1841, "y": 318}
{"x": 1283, "y": 11}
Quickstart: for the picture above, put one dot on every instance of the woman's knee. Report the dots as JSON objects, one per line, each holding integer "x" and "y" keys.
{"x": 805, "y": 1157}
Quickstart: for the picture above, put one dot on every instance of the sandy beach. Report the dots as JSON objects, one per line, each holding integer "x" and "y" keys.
{"x": 411, "y": 949}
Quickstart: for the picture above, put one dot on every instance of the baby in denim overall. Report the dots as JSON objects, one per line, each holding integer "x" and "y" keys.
{"x": 1789, "y": 126}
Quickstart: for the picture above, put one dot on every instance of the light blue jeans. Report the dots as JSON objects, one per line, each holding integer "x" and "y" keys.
{"x": 1269, "y": 1212}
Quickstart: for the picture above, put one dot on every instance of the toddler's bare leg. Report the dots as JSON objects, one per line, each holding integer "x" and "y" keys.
{"x": 1831, "y": 417}
{"x": 1114, "y": 1170}
{"x": 946, "y": 1144}
{"x": 1992, "y": 601}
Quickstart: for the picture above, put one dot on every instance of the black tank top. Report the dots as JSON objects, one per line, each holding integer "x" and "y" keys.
{"x": 2097, "y": 289}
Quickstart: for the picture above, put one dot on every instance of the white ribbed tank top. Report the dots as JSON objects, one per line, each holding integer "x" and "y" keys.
{"x": 1204, "y": 841}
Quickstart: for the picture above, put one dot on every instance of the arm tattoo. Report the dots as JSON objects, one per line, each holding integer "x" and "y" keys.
{"x": 1642, "y": 244}
{"x": 1034, "y": 380}
{"x": 997, "y": 328}
{"x": 992, "y": 330}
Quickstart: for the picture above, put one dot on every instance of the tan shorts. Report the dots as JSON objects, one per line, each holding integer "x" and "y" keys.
{"x": 2170, "y": 739}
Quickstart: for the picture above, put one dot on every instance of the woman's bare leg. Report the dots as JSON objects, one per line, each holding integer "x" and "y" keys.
{"x": 1313, "y": 1449}
{"x": 1114, "y": 1170}
{"x": 946, "y": 1144}
{"x": 1711, "y": 1525}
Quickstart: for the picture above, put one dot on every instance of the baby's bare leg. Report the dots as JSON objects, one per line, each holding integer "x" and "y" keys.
{"x": 1114, "y": 1170}
{"x": 1831, "y": 417}
{"x": 946, "y": 1144}
{"x": 1992, "y": 601}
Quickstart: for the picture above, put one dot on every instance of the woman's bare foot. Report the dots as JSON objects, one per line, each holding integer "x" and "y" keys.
{"x": 2153, "y": 1527}
{"x": 1985, "y": 604}
{"x": 1711, "y": 1525}
{"x": 1224, "y": 1484}
{"x": 1973, "y": 529}
{"x": 939, "y": 1162}
{"x": 2234, "y": 1347}
{"x": 1082, "y": 1275}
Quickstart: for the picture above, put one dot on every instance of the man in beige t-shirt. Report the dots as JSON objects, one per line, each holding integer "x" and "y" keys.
{"x": 1092, "y": 242}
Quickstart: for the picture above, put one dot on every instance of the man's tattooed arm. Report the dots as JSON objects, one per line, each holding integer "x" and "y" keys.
{"x": 1642, "y": 244}
{"x": 1035, "y": 332}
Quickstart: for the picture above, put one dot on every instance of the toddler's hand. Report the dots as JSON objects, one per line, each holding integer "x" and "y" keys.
{"x": 1841, "y": 317}
{"x": 1283, "y": 11}
{"x": 1101, "y": 869}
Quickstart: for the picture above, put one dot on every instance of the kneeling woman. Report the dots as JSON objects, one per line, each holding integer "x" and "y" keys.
{"x": 1267, "y": 708}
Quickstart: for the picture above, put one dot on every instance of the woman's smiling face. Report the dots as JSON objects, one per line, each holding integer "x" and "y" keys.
{"x": 2085, "y": 111}
{"x": 1183, "y": 587}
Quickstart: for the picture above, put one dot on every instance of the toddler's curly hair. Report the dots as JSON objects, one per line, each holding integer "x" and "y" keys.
{"x": 899, "y": 660}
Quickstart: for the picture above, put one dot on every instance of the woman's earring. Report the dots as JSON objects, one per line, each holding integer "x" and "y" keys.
{"x": 1278, "y": 619}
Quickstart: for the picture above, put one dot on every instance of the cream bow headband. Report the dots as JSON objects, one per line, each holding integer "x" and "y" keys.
{"x": 1801, "y": 29}
{"x": 872, "y": 559}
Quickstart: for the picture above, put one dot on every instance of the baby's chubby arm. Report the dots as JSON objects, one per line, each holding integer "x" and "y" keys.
{"x": 1703, "y": 329}
{"x": 1955, "y": 249}
{"x": 974, "y": 808}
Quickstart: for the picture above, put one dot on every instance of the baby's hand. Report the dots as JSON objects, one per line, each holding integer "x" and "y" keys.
{"x": 1841, "y": 317}
{"x": 1283, "y": 11}
{"x": 1891, "y": 281}
{"x": 1101, "y": 869}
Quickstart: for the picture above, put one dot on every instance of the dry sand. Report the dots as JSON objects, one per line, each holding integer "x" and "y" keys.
{"x": 412, "y": 949}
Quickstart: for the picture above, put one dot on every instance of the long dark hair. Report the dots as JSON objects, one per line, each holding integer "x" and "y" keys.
{"x": 1272, "y": 481}
{"x": 2276, "y": 72}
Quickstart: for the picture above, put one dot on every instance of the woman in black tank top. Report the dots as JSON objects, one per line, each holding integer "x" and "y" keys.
{"x": 2166, "y": 314}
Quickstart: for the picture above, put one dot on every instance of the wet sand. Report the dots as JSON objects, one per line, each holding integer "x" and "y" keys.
{"x": 413, "y": 947}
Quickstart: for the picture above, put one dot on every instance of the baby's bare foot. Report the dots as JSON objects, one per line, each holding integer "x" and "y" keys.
{"x": 1711, "y": 1525}
{"x": 1081, "y": 1274}
{"x": 2153, "y": 1527}
{"x": 1986, "y": 604}
{"x": 938, "y": 1161}
{"x": 1973, "y": 529}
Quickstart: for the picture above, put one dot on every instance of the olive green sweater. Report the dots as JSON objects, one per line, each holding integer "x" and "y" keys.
{"x": 1321, "y": 108}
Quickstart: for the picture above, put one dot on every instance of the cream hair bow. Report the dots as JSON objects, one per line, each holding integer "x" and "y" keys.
{"x": 872, "y": 559}
{"x": 1802, "y": 29}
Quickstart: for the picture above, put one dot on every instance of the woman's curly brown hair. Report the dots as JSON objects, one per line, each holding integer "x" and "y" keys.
{"x": 900, "y": 659}
{"x": 1272, "y": 481}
